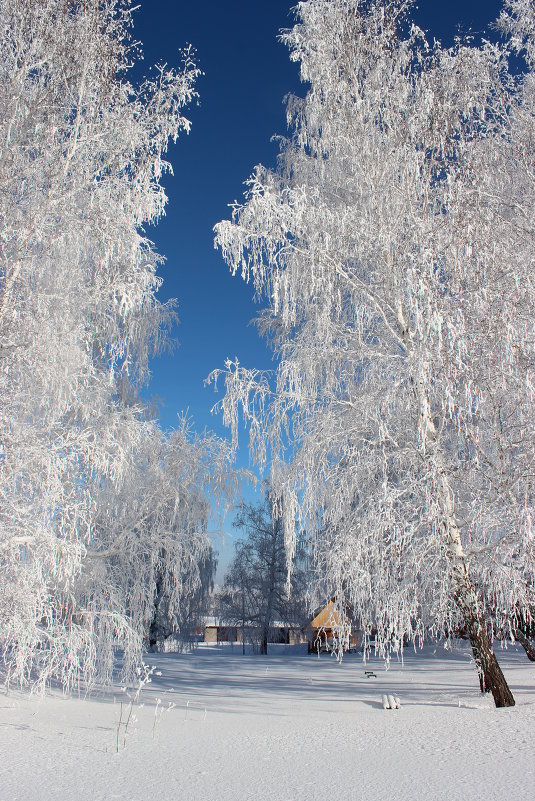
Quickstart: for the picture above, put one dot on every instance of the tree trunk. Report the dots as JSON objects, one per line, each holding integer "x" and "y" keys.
{"x": 526, "y": 645}
{"x": 264, "y": 643}
{"x": 491, "y": 678}
{"x": 477, "y": 658}
{"x": 243, "y": 622}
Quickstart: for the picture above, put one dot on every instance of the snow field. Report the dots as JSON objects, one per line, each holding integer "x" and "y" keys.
{"x": 217, "y": 726}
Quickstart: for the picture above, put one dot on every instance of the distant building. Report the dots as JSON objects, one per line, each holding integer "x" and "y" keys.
{"x": 289, "y": 633}
{"x": 216, "y": 631}
{"x": 219, "y": 631}
{"x": 329, "y": 625}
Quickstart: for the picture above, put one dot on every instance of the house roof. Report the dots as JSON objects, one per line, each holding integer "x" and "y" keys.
{"x": 215, "y": 622}
{"x": 328, "y": 616}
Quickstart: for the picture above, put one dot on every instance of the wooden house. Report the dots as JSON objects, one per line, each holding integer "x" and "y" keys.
{"x": 286, "y": 633}
{"x": 329, "y": 624}
{"x": 216, "y": 631}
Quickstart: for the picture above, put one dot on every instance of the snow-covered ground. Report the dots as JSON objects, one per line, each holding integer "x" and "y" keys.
{"x": 284, "y": 727}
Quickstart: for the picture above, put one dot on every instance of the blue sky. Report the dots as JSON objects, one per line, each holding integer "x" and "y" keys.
{"x": 247, "y": 72}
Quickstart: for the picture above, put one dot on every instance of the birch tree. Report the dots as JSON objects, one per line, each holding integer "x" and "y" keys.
{"x": 82, "y": 530}
{"x": 150, "y": 557}
{"x": 394, "y": 248}
{"x": 255, "y": 591}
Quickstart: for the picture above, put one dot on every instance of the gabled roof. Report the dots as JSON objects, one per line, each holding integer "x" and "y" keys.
{"x": 218, "y": 622}
{"x": 328, "y": 616}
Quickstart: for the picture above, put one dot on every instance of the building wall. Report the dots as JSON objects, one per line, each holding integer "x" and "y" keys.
{"x": 215, "y": 634}
{"x": 210, "y": 634}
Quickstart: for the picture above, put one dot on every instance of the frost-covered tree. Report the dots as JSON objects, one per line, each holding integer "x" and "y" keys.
{"x": 181, "y": 624}
{"x": 83, "y": 531}
{"x": 256, "y": 592}
{"x": 150, "y": 545}
{"x": 394, "y": 245}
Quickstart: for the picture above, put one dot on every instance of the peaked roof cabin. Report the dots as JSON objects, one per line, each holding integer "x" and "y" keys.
{"x": 327, "y": 624}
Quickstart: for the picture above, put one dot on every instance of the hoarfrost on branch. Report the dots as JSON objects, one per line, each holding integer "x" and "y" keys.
{"x": 96, "y": 504}
{"x": 394, "y": 245}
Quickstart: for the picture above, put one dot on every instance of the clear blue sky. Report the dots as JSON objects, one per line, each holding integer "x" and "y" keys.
{"x": 247, "y": 73}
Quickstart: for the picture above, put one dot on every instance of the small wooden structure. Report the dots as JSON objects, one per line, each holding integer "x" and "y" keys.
{"x": 286, "y": 633}
{"x": 330, "y": 625}
{"x": 216, "y": 631}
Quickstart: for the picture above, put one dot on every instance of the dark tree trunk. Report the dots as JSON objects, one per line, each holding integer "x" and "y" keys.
{"x": 243, "y": 622}
{"x": 526, "y": 645}
{"x": 483, "y": 684}
{"x": 154, "y": 628}
{"x": 264, "y": 642}
{"x": 491, "y": 678}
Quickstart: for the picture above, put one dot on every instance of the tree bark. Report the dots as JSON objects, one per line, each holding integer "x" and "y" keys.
{"x": 477, "y": 658}
{"x": 243, "y": 621}
{"x": 491, "y": 677}
{"x": 526, "y": 645}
